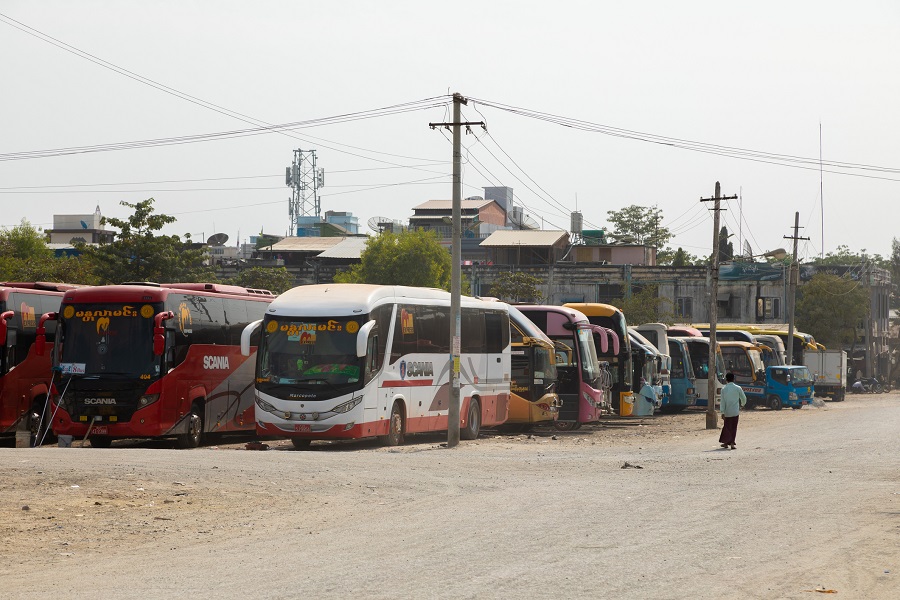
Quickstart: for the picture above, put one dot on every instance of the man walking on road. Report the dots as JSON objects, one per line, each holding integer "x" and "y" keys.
{"x": 730, "y": 405}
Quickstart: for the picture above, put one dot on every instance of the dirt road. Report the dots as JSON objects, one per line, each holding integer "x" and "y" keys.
{"x": 810, "y": 499}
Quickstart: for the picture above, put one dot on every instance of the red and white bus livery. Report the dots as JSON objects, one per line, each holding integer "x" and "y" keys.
{"x": 343, "y": 361}
{"x": 25, "y": 376}
{"x": 148, "y": 360}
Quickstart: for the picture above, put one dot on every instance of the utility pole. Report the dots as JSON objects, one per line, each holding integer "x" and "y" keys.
{"x": 456, "y": 268}
{"x": 792, "y": 295}
{"x": 712, "y": 421}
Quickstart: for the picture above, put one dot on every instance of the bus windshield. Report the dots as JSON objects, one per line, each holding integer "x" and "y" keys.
{"x": 109, "y": 339}
{"x": 589, "y": 360}
{"x": 309, "y": 354}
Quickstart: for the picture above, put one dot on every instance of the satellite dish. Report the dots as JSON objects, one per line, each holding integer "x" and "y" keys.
{"x": 748, "y": 251}
{"x": 379, "y": 224}
{"x": 84, "y": 225}
{"x": 217, "y": 239}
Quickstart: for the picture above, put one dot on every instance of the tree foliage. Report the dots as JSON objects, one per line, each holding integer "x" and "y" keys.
{"x": 830, "y": 308}
{"x": 646, "y": 306}
{"x": 682, "y": 258}
{"x": 726, "y": 248}
{"x": 844, "y": 256}
{"x": 412, "y": 257}
{"x": 24, "y": 256}
{"x": 274, "y": 279}
{"x": 517, "y": 287}
{"x": 641, "y": 223}
{"x": 139, "y": 254}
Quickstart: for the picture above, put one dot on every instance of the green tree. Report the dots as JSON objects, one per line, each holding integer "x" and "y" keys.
{"x": 643, "y": 224}
{"x": 139, "y": 254}
{"x": 830, "y": 308}
{"x": 726, "y": 248}
{"x": 517, "y": 287}
{"x": 645, "y": 306}
{"x": 274, "y": 279}
{"x": 413, "y": 258}
{"x": 844, "y": 256}
{"x": 24, "y": 256}
{"x": 682, "y": 258}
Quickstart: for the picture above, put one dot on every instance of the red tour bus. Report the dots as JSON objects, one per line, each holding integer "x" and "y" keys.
{"x": 25, "y": 377}
{"x": 148, "y": 360}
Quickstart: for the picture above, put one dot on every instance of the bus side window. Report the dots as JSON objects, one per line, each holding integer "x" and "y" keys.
{"x": 373, "y": 362}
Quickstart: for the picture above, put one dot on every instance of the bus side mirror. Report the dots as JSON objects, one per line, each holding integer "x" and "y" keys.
{"x": 362, "y": 337}
{"x": 248, "y": 332}
{"x": 159, "y": 332}
{"x": 40, "y": 340}
{"x": 4, "y": 317}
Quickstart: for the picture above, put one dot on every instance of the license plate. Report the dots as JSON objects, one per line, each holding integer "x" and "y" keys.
{"x": 302, "y": 428}
{"x": 100, "y": 430}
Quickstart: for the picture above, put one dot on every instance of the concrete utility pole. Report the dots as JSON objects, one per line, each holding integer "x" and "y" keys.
{"x": 456, "y": 272}
{"x": 792, "y": 295}
{"x": 712, "y": 421}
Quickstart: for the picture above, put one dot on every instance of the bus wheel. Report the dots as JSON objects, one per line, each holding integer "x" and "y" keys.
{"x": 565, "y": 425}
{"x": 100, "y": 441}
{"x": 192, "y": 438}
{"x": 301, "y": 443}
{"x": 396, "y": 426}
{"x": 473, "y": 422}
{"x": 775, "y": 403}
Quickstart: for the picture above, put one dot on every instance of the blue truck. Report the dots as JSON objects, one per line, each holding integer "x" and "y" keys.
{"x": 785, "y": 385}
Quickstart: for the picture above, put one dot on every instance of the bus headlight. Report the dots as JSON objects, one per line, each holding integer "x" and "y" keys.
{"x": 265, "y": 405}
{"x": 147, "y": 400}
{"x": 792, "y": 396}
{"x": 347, "y": 406}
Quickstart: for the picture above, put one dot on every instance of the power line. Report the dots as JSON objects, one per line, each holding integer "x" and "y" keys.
{"x": 784, "y": 160}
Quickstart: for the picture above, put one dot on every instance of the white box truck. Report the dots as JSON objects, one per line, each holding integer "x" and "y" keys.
{"x": 829, "y": 371}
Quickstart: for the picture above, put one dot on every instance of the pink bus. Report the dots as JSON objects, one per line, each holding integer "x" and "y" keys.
{"x": 580, "y": 378}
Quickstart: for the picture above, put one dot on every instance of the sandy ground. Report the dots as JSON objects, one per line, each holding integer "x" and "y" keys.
{"x": 809, "y": 501}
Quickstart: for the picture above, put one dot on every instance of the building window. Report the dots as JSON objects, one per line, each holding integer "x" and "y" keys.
{"x": 768, "y": 308}
{"x": 684, "y": 308}
{"x": 729, "y": 306}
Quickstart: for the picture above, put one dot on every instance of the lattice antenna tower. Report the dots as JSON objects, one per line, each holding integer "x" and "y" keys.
{"x": 304, "y": 179}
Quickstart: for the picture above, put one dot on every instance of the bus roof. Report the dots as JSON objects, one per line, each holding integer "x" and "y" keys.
{"x": 594, "y": 309}
{"x": 357, "y": 298}
{"x": 134, "y": 292}
{"x": 572, "y": 314}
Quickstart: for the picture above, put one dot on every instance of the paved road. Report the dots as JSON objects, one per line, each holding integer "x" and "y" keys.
{"x": 810, "y": 498}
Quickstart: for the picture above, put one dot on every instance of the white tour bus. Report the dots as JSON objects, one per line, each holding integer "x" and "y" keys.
{"x": 346, "y": 361}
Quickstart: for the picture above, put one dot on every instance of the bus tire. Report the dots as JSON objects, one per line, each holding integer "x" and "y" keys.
{"x": 396, "y": 427}
{"x": 100, "y": 441}
{"x": 301, "y": 443}
{"x": 473, "y": 421}
{"x": 775, "y": 403}
{"x": 194, "y": 436}
{"x": 565, "y": 425}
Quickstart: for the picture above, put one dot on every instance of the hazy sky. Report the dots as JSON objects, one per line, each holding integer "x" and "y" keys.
{"x": 725, "y": 77}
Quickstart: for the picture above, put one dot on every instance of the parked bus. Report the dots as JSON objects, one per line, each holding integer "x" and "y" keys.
{"x": 25, "y": 376}
{"x": 684, "y": 389}
{"x": 149, "y": 360}
{"x": 579, "y": 377}
{"x": 698, "y": 348}
{"x": 771, "y": 346}
{"x": 745, "y": 361}
{"x": 621, "y": 369}
{"x": 533, "y": 399}
{"x": 650, "y": 364}
{"x": 350, "y": 361}
{"x": 802, "y": 341}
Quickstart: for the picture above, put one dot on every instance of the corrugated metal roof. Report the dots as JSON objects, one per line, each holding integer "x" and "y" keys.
{"x": 349, "y": 248}
{"x": 513, "y": 238}
{"x": 305, "y": 244}
{"x": 448, "y": 204}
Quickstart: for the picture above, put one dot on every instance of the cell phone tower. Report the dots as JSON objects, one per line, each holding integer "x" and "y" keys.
{"x": 304, "y": 179}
